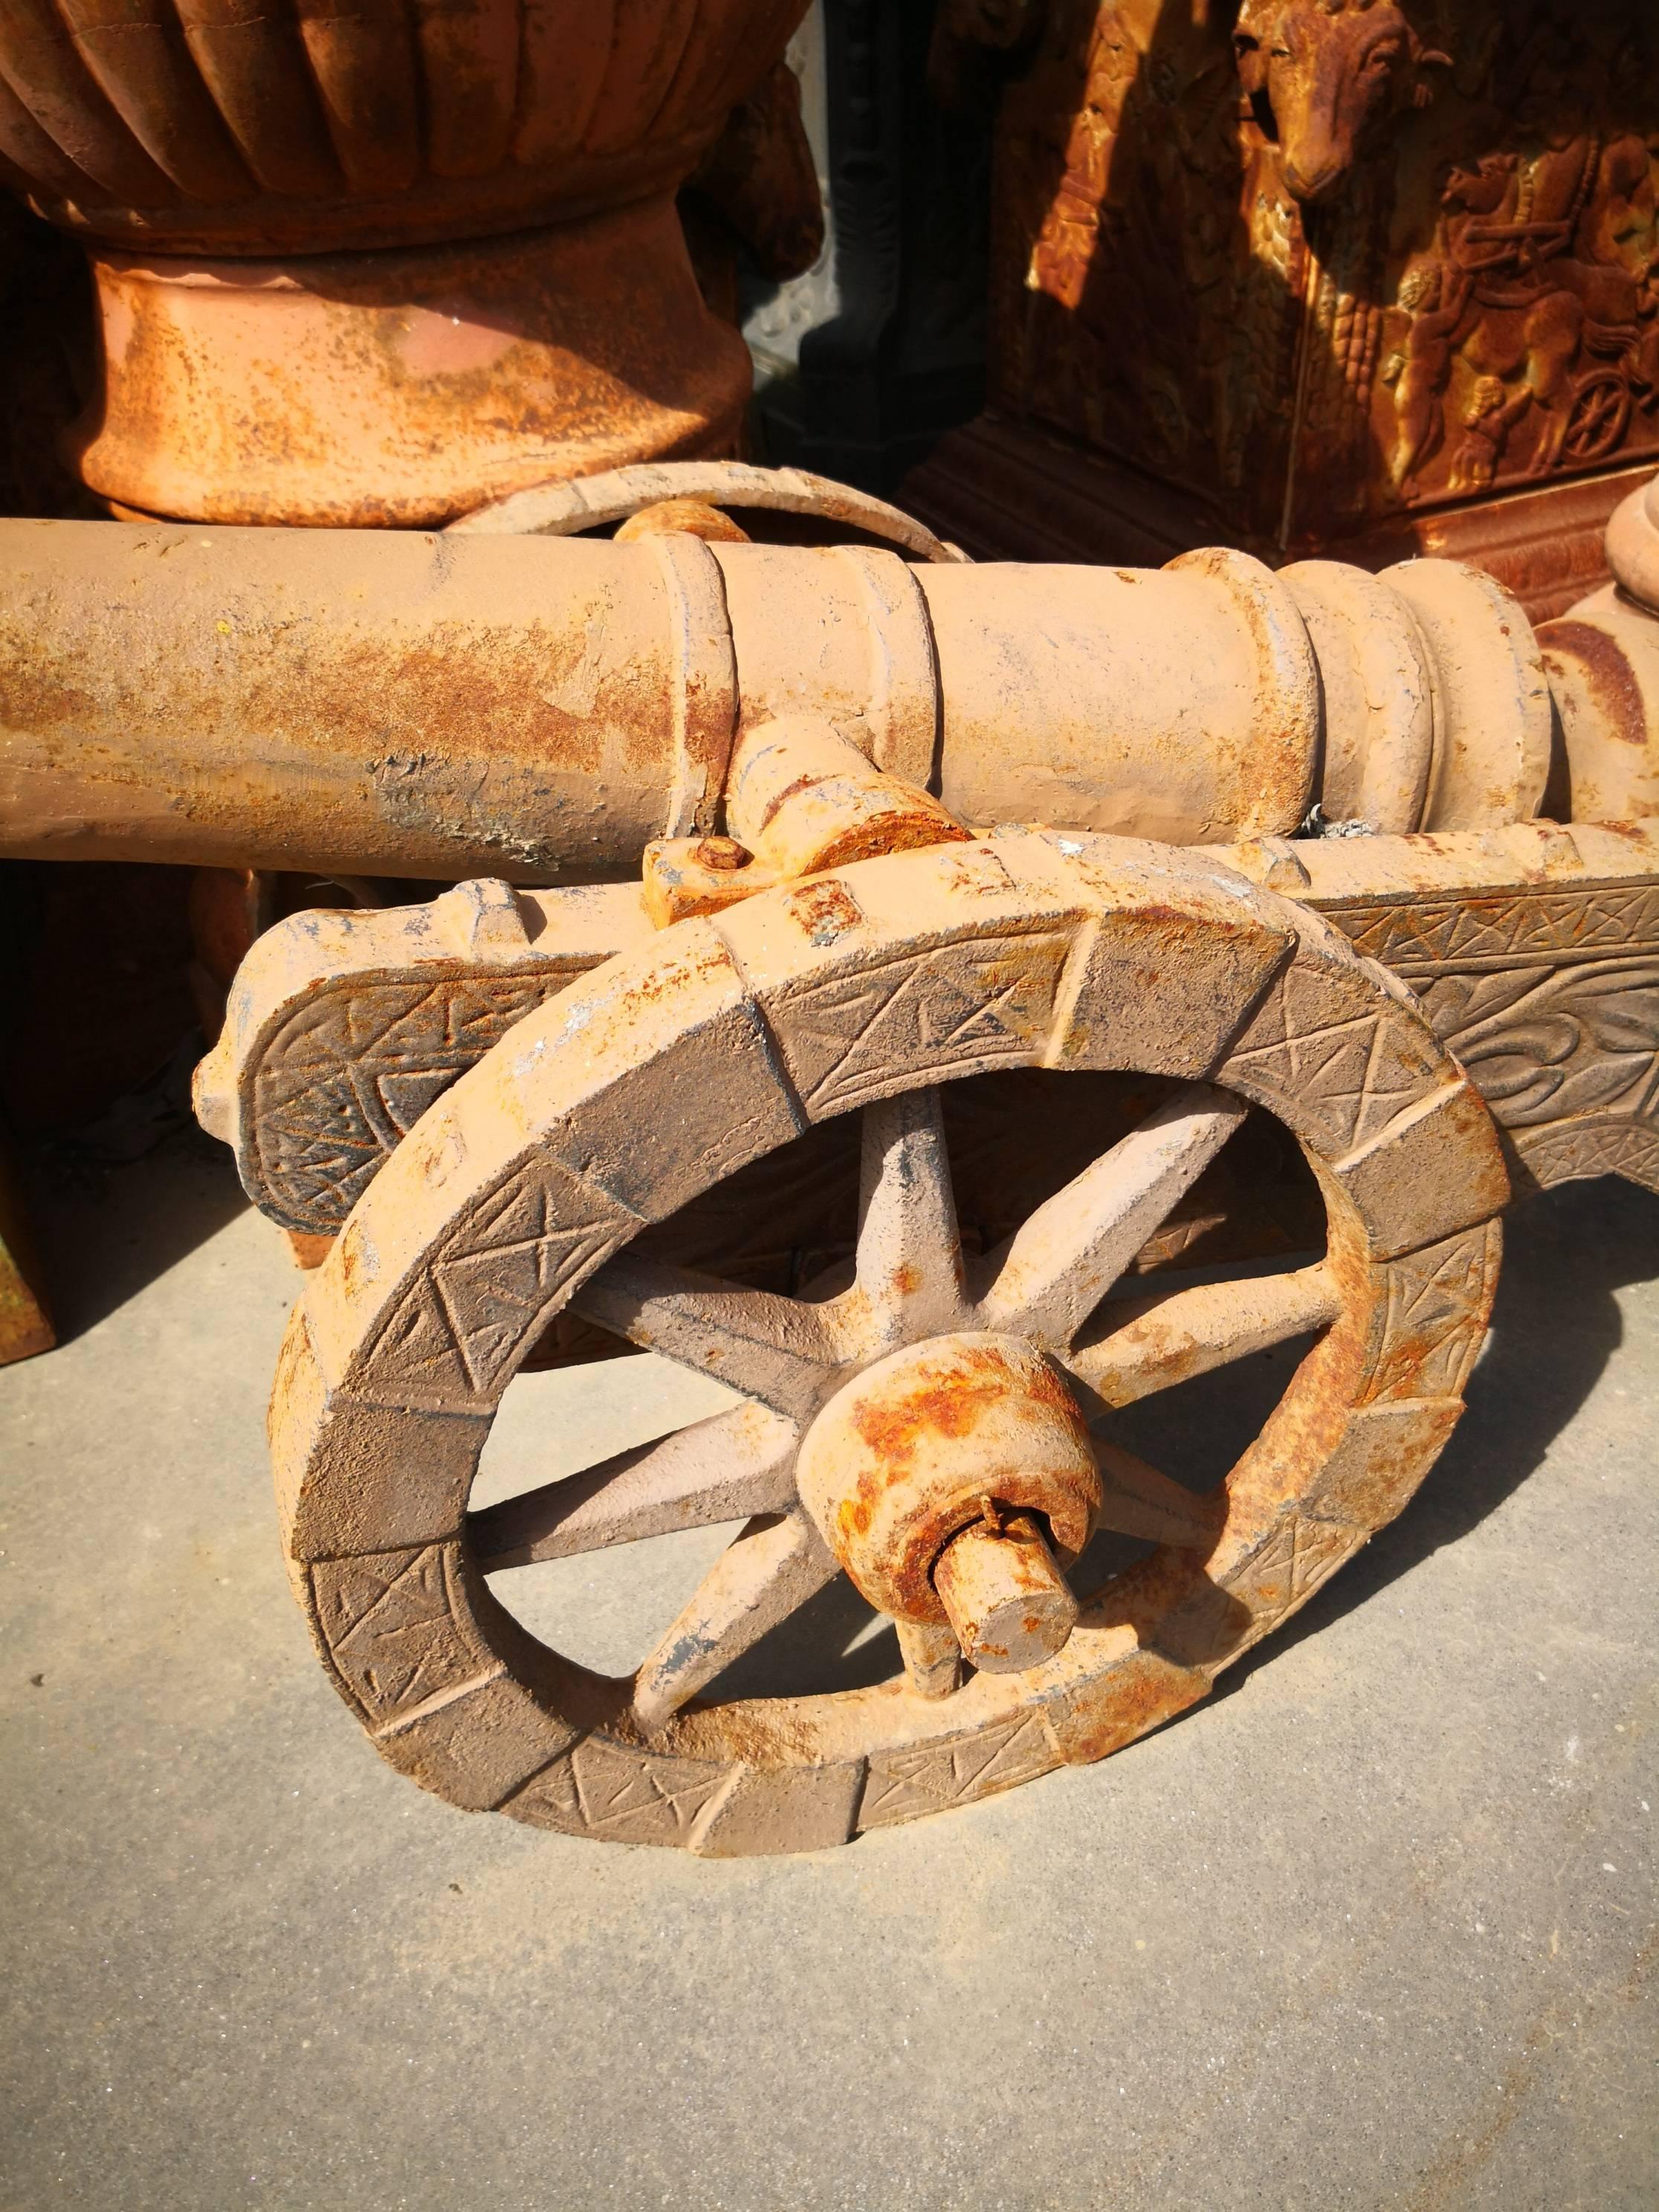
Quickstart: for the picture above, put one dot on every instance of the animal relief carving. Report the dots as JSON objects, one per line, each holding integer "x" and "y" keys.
{"x": 1328, "y": 260}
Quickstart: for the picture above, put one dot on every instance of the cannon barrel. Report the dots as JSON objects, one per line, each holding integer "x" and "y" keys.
{"x": 540, "y": 708}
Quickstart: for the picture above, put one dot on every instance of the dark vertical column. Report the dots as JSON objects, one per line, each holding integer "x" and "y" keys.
{"x": 899, "y": 357}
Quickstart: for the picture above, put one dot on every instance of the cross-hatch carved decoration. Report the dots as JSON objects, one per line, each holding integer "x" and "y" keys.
{"x": 1550, "y": 997}
{"x": 351, "y": 1074}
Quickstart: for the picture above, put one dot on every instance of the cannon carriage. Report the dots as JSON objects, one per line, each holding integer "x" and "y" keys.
{"x": 952, "y": 1007}
{"x": 958, "y": 1010}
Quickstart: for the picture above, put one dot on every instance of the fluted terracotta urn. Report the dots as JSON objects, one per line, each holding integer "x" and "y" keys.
{"x": 377, "y": 262}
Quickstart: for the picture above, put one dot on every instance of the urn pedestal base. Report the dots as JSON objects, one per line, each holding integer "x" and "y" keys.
{"x": 405, "y": 388}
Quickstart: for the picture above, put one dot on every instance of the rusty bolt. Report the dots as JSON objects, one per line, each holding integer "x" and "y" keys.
{"x": 722, "y": 852}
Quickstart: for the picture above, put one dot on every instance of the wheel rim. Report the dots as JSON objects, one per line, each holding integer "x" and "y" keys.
{"x": 649, "y": 1082}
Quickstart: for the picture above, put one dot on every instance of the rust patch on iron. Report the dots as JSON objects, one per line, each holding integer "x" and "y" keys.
{"x": 824, "y": 910}
{"x": 1606, "y": 672}
{"x": 953, "y": 1407}
{"x": 781, "y": 799}
{"x": 1140, "y": 1695}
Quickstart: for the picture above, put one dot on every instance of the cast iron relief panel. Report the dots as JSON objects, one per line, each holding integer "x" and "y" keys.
{"x": 600, "y": 1792}
{"x": 1352, "y": 1063}
{"x": 457, "y": 1328}
{"x": 1467, "y": 302}
{"x": 1550, "y": 999}
{"x": 354, "y": 1068}
{"x": 934, "y": 1777}
{"x": 392, "y": 1633}
{"x": 1428, "y": 1342}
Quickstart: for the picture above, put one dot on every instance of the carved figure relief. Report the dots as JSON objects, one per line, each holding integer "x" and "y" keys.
{"x": 1331, "y": 259}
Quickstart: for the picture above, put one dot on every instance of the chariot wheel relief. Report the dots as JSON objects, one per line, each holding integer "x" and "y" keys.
{"x": 1598, "y": 417}
{"x": 935, "y": 1423}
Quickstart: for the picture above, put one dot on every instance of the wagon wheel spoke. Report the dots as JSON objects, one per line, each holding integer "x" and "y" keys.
{"x": 782, "y": 1350}
{"x": 1136, "y": 1500}
{"x": 1053, "y": 1273}
{"x": 1153, "y": 1343}
{"x": 909, "y": 1250}
{"x": 732, "y": 1465}
{"x": 932, "y": 1658}
{"x": 772, "y": 1568}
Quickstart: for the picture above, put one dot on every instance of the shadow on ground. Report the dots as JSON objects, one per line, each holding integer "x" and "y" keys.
{"x": 103, "y": 1233}
{"x": 1542, "y": 1361}
{"x": 1543, "y": 1358}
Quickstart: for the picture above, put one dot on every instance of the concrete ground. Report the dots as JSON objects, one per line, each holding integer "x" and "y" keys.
{"x": 1374, "y": 1927}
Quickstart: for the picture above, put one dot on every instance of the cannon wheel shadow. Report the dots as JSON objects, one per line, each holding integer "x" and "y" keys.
{"x": 1555, "y": 1326}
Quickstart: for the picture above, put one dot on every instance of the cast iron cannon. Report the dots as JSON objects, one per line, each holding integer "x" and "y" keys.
{"x": 913, "y": 995}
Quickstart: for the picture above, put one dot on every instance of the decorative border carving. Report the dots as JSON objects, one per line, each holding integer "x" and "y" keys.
{"x": 1418, "y": 934}
{"x": 344, "y": 1079}
{"x": 1549, "y": 993}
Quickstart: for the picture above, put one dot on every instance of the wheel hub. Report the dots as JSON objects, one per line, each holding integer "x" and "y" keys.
{"x": 971, "y": 1432}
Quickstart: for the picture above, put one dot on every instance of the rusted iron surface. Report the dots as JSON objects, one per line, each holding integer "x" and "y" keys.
{"x": 1603, "y": 661}
{"x": 346, "y": 1026}
{"x": 694, "y": 517}
{"x": 904, "y": 1456}
{"x": 931, "y": 1657}
{"x": 1334, "y": 80}
{"x": 1378, "y": 691}
{"x": 380, "y": 269}
{"x": 1408, "y": 727}
{"x": 1603, "y": 668}
{"x": 679, "y": 878}
{"x": 403, "y": 388}
{"x": 534, "y": 707}
{"x": 530, "y": 1187}
{"x": 927, "y": 1411}
{"x": 177, "y": 128}
{"x": 1633, "y": 546}
{"x": 1139, "y": 733}
{"x": 802, "y": 798}
{"x": 342, "y": 1028}
{"x": 1492, "y": 720}
{"x": 380, "y": 702}
{"x": 1534, "y": 953}
{"x": 1010, "y": 1606}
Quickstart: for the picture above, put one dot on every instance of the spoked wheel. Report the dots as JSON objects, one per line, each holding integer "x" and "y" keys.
{"x": 1598, "y": 416}
{"x": 938, "y": 1426}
